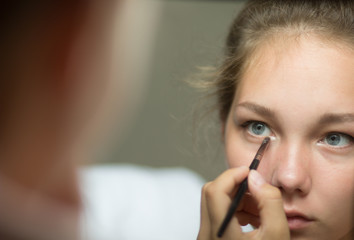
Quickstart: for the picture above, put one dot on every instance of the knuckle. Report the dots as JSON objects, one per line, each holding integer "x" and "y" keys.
{"x": 208, "y": 190}
{"x": 205, "y": 188}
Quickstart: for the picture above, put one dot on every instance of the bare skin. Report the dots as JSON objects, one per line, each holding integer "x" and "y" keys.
{"x": 300, "y": 93}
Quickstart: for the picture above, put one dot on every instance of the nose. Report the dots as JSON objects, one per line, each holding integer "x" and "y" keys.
{"x": 289, "y": 168}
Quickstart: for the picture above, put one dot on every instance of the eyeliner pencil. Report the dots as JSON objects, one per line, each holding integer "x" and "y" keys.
{"x": 243, "y": 188}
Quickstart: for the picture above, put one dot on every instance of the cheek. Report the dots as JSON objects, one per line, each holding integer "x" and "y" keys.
{"x": 236, "y": 156}
{"x": 338, "y": 190}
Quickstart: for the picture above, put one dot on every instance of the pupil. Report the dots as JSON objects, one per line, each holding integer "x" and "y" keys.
{"x": 333, "y": 139}
{"x": 258, "y": 128}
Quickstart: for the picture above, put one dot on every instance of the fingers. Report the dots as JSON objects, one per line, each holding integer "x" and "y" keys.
{"x": 218, "y": 194}
{"x": 216, "y": 199}
{"x": 245, "y": 218}
{"x": 229, "y": 180}
{"x": 274, "y": 224}
{"x": 247, "y": 211}
{"x": 204, "y": 216}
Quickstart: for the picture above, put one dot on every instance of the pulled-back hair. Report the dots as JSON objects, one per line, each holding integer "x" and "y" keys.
{"x": 261, "y": 20}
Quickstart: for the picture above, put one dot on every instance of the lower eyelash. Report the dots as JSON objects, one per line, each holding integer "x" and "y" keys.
{"x": 351, "y": 140}
{"x": 246, "y": 124}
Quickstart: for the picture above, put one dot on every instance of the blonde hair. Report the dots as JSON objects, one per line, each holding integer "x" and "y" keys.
{"x": 331, "y": 20}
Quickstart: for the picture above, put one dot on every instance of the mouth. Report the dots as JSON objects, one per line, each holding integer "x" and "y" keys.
{"x": 297, "y": 220}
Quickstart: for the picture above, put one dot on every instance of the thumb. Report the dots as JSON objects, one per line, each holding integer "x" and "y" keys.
{"x": 274, "y": 224}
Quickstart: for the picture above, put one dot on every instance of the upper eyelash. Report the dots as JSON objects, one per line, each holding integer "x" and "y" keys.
{"x": 351, "y": 138}
{"x": 247, "y": 123}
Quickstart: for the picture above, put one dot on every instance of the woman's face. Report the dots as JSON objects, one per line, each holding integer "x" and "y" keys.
{"x": 302, "y": 94}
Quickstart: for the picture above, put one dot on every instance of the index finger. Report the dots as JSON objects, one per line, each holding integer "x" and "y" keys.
{"x": 218, "y": 196}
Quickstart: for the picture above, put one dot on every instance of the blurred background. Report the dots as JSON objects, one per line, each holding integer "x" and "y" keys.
{"x": 167, "y": 129}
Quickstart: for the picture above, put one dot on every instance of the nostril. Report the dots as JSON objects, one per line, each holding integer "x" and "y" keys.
{"x": 290, "y": 183}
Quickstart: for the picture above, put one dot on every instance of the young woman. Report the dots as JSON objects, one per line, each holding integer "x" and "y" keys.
{"x": 288, "y": 74}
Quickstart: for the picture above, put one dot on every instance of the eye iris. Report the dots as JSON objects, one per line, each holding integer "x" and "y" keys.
{"x": 333, "y": 139}
{"x": 258, "y": 128}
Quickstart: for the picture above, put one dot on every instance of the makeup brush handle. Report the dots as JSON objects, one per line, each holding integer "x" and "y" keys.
{"x": 236, "y": 201}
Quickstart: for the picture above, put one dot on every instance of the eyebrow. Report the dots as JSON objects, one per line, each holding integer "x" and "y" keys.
{"x": 326, "y": 119}
{"x": 332, "y": 118}
{"x": 258, "y": 109}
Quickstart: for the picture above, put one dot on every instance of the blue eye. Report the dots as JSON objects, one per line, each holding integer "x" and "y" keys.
{"x": 258, "y": 129}
{"x": 337, "y": 140}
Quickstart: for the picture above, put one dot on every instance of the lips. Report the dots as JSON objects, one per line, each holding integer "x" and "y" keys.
{"x": 297, "y": 220}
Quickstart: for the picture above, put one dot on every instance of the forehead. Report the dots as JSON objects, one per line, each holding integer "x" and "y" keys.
{"x": 304, "y": 75}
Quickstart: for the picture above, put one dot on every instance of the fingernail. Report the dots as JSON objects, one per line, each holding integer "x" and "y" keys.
{"x": 256, "y": 178}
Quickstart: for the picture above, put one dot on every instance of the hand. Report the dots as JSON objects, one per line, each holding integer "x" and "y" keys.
{"x": 217, "y": 197}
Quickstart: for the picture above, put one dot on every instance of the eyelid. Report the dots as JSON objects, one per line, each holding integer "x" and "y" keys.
{"x": 246, "y": 124}
{"x": 243, "y": 116}
{"x": 351, "y": 140}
